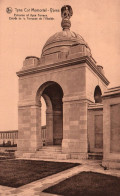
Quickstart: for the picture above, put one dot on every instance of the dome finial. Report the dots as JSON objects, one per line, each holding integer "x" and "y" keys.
{"x": 66, "y": 13}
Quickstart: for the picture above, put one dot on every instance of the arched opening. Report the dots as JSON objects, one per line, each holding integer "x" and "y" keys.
{"x": 98, "y": 95}
{"x": 52, "y": 94}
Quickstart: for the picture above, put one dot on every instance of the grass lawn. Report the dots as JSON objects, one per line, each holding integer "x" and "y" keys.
{"x": 15, "y": 173}
{"x": 87, "y": 184}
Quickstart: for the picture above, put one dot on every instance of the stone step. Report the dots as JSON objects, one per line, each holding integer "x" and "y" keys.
{"x": 63, "y": 156}
{"x": 48, "y": 152}
{"x": 50, "y": 155}
{"x": 53, "y": 146}
{"x": 50, "y": 149}
{"x": 95, "y": 155}
{"x": 43, "y": 156}
{"x": 7, "y": 155}
{"x": 28, "y": 155}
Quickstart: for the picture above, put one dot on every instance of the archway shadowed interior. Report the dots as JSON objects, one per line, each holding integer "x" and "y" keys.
{"x": 53, "y": 94}
{"x": 97, "y": 95}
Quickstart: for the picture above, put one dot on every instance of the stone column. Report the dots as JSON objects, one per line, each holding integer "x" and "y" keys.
{"x": 49, "y": 127}
{"x": 75, "y": 140}
{"x": 29, "y": 128}
{"x": 57, "y": 127}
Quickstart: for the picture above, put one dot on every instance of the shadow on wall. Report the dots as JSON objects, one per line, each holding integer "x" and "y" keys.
{"x": 98, "y": 95}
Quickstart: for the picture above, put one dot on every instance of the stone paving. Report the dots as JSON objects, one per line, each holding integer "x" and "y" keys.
{"x": 36, "y": 187}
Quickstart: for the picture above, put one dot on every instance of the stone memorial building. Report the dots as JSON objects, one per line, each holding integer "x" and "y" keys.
{"x": 82, "y": 115}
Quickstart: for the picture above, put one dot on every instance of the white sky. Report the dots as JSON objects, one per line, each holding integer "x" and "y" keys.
{"x": 98, "y": 21}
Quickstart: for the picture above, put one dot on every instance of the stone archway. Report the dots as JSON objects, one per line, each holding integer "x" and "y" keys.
{"x": 52, "y": 94}
{"x": 97, "y": 95}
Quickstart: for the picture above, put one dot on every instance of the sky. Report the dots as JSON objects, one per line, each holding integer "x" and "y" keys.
{"x": 97, "y": 21}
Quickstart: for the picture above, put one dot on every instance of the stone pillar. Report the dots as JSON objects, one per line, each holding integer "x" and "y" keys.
{"x": 57, "y": 127}
{"x": 111, "y": 128}
{"x": 29, "y": 127}
{"x": 75, "y": 140}
{"x": 49, "y": 127}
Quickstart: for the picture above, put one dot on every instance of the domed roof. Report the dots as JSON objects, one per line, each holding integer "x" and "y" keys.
{"x": 64, "y": 38}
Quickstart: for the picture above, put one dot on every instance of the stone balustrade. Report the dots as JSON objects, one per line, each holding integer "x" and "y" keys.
{"x": 9, "y": 134}
{"x": 10, "y": 138}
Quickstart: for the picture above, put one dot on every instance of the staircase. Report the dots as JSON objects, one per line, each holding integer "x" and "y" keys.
{"x": 6, "y": 155}
{"x": 48, "y": 152}
{"x": 95, "y": 155}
